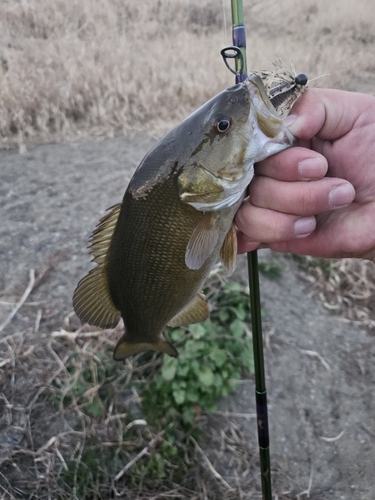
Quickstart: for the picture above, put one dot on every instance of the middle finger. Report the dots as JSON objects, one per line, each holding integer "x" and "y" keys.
{"x": 300, "y": 198}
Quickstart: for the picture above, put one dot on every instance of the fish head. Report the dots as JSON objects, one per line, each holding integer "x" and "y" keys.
{"x": 238, "y": 127}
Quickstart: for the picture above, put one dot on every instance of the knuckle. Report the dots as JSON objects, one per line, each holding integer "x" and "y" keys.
{"x": 277, "y": 229}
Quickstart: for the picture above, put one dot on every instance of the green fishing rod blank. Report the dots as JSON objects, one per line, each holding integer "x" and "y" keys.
{"x": 239, "y": 42}
{"x": 260, "y": 381}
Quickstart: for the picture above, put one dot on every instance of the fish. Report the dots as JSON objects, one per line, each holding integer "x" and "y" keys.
{"x": 155, "y": 250}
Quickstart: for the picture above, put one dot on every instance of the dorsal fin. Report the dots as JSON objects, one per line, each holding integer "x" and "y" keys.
{"x": 91, "y": 300}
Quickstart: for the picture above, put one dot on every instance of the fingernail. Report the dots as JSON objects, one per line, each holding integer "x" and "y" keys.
{"x": 294, "y": 123}
{"x": 289, "y": 120}
{"x": 341, "y": 195}
{"x": 304, "y": 226}
{"x": 312, "y": 168}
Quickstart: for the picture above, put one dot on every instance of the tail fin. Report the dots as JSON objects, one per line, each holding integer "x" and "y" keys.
{"x": 124, "y": 348}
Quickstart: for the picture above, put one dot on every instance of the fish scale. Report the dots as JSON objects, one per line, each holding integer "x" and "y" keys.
{"x": 157, "y": 276}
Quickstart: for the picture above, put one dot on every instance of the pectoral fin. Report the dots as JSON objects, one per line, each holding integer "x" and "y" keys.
{"x": 124, "y": 349}
{"x": 92, "y": 301}
{"x": 195, "y": 312}
{"x": 202, "y": 242}
{"x": 228, "y": 252}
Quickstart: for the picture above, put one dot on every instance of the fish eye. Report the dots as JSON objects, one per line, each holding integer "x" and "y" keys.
{"x": 222, "y": 125}
{"x": 301, "y": 79}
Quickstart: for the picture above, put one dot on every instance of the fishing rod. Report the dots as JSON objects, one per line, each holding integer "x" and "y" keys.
{"x": 238, "y": 53}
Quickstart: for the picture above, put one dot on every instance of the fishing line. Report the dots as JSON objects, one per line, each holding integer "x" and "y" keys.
{"x": 224, "y": 19}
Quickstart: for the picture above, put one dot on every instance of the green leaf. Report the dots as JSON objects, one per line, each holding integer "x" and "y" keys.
{"x": 206, "y": 376}
{"x": 188, "y": 414}
{"x": 95, "y": 408}
{"x": 179, "y": 395}
{"x": 232, "y": 286}
{"x": 212, "y": 407}
{"x": 192, "y": 394}
{"x": 176, "y": 384}
{"x": 194, "y": 348}
{"x": 218, "y": 357}
{"x": 223, "y": 315}
{"x": 176, "y": 335}
{"x": 237, "y": 328}
{"x": 79, "y": 389}
{"x": 168, "y": 371}
{"x": 241, "y": 312}
{"x": 248, "y": 359}
{"x": 272, "y": 270}
{"x": 183, "y": 369}
{"x": 198, "y": 331}
{"x": 195, "y": 366}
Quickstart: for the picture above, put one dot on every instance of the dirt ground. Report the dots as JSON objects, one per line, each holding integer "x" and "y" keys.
{"x": 320, "y": 373}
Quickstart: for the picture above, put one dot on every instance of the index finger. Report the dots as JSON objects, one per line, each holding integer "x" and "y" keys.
{"x": 294, "y": 164}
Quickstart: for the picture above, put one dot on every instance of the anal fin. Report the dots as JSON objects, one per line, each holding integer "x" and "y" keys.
{"x": 195, "y": 312}
{"x": 228, "y": 252}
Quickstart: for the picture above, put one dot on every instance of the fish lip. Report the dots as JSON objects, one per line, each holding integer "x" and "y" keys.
{"x": 257, "y": 91}
{"x": 260, "y": 91}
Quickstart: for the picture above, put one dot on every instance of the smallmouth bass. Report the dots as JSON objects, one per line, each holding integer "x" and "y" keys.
{"x": 155, "y": 250}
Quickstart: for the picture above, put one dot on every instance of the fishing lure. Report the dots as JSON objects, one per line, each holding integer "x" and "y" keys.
{"x": 283, "y": 85}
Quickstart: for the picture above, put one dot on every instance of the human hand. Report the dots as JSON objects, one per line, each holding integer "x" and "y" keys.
{"x": 317, "y": 198}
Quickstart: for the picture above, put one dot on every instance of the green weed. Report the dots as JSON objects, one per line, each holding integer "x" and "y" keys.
{"x": 213, "y": 356}
{"x": 271, "y": 269}
{"x": 82, "y": 393}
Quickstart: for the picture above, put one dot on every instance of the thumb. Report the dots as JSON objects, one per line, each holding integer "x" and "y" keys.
{"x": 326, "y": 113}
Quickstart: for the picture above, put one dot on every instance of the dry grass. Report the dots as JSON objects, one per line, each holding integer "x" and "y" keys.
{"x": 81, "y": 67}
{"x": 345, "y": 286}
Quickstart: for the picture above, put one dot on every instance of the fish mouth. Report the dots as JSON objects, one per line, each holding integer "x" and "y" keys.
{"x": 266, "y": 123}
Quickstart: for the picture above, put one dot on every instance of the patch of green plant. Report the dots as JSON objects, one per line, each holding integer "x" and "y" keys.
{"x": 96, "y": 373}
{"x": 90, "y": 471}
{"x": 166, "y": 464}
{"x": 271, "y": 269}
{"x": 213, "y": 356}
